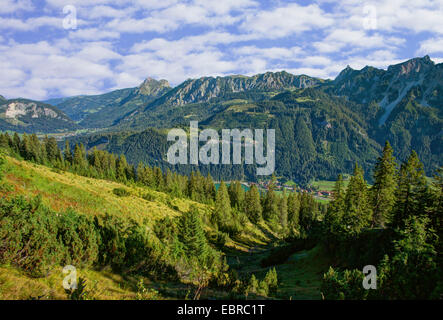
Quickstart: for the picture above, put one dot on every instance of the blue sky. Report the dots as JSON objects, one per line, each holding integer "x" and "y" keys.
{"x": 58, "y": 48}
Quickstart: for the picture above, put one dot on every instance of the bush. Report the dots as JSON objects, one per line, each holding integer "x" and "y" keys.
{"x": 149, "y": 197}
{"x": 144, "y": 293}
{"x": 343, "y": 285}
{"x": 126, "y": 245}
{"x": 28, "y": 236}
{"x": 271, "y": 280}
{"x": 80, "y": 239}
{"x": 80, "y": 293}
{"x": 121, "y": 192}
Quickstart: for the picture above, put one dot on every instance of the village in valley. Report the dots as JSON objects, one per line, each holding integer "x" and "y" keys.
{"x": 322, "y": 190}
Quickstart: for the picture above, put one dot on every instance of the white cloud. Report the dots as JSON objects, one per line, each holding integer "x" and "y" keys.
{"x": 272, "y": 53}
{"x": 141, "y": 25}
{"x": 40, "y": 69}
{"x": 10, "y": 6}
{"x": 432, "y": 45}
{"x": 119, "y": 43}
{"x": 338, "y": 39}
{"x": 33, "y": 24}
{"x": 396, "y": 15}
{"x": 284, "y": 21}
{"x": 105, "y": 11}
{"x": 12, "y": 23}
{"x": 93, "y": 34}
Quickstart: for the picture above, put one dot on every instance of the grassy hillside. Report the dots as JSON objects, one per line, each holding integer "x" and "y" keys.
{"x": 63, "y": 190}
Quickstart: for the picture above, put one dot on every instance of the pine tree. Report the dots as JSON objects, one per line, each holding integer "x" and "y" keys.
{"x": 192, "y": 235}
{"x": 308, "y": 212}
{"x": 270, "y": 205}
{"x": 4, "y": 142}
{"x": 35, "y": 149}
{"x": 121, "y": 168}
{"x": 411, "y": 191}
{"x": 169, "y": 182}
{"x": 383, "y": 190}
{"x": 293, "y": 210}
{"x": 236, "y": 195}
{"x": 52, "y": 150}
{"x": 158, "y": 178}
{"x": 357, "y": 214}
{"x": 222, "y": 212}
{"x": 79, "y": 158}
{"x": 210, "y": 189}
{"x": 336, "y": 207}
{"x": 16, "y": 143}
{"x": 253, "y": 207}
{"x": 283, "y": 210}
{"x": 67, "y": 153}
{"x": 24, "y": 148}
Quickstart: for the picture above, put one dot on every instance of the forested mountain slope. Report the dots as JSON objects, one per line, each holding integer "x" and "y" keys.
{"x": 322, "y": 126}
{"x": 30, "y": 116}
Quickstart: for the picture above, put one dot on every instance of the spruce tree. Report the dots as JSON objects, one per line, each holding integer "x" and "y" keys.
{"x": 192, "y": 235}
{"x": 16, "y": 143}
{"x": 283, "y": 210}
{"x": 253, "y": 207}
{"x": 210, "y": 191}
{"x": 79, "y": 158}
{"x": 67, "y": 153}
{"x": 158, "y": 178}
{"x": 383, "y": 190}
{"x": 52, "y": 150}
{"x": 236, "y": 195}
{"x": 222, "y": 212}
{"x": 411, "y": 191}
{"x": 335, "y": 212}
{"x": 357, "y": 214}
{"x": 270, "y": 205}
{"x": 293, "y": 210}
{"x": 121, "y": 168}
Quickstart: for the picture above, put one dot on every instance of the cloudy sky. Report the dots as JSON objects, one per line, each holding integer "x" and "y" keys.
{"x": 58, "y": 48}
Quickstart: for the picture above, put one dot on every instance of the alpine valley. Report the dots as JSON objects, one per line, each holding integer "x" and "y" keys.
{"x": 323, "y": 127}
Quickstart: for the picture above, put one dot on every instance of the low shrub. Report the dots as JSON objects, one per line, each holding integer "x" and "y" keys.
{"x": 121, "y": 192}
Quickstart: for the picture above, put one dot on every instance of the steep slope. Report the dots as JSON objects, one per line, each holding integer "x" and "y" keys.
{"x": 63, "y": 191}
{"x": 389, "y": 87}
{"x": 316, "y": 136}
{"x": 104, "y": 110}
{"x": 201, "y": 97}
{"x": 30, "y": 116}
{"x": 206, "y": 88}
{"x": 404, "y": 104}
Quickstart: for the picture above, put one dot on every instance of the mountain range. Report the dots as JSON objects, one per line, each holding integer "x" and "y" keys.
{"x": 322, "y": 126}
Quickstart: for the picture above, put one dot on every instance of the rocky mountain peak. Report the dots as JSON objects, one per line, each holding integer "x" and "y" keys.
{"x": 412, "y": 66}
{"x": 206, "y": 88}
{"x": 345, "y": 73}
{"x": 152, "y": 87}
